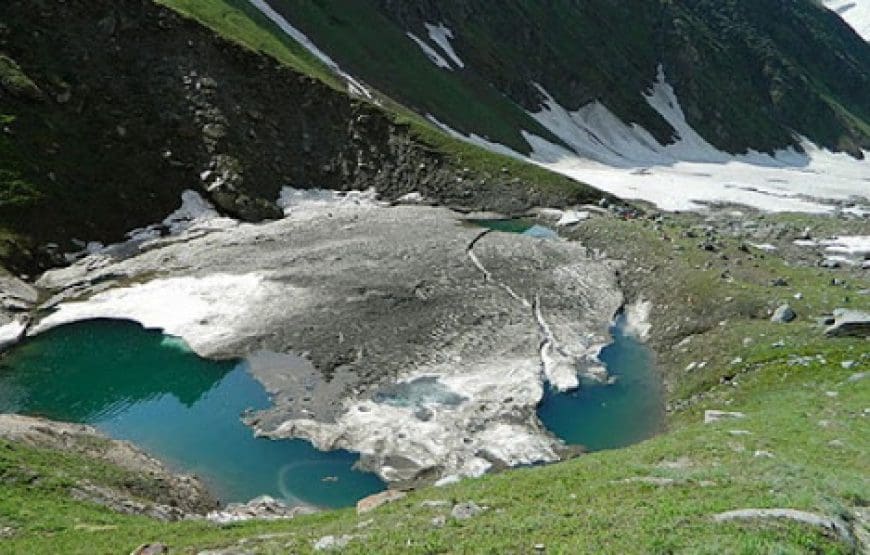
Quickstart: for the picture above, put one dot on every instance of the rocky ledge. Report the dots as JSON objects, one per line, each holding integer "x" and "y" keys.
{"x": 152, "y": 489}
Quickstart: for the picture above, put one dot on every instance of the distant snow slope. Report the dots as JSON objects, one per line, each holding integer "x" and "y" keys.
{"x": 627, "y": 161}
{"x": 855, "y": 12}
{"x": 354, "y": 86}
{"x": 442, "y": 36}
{"x": 430, "y": 52}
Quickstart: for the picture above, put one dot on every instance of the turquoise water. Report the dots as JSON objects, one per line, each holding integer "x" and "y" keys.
{"x": 142, "y": 386}
{"x": 610, "y": 416}
{"x": 521, "y": 226}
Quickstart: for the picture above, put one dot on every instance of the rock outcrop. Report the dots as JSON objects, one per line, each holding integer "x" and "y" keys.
{"x": 156, "y": 492}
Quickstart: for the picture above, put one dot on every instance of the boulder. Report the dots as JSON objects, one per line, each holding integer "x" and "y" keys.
{"x": 849, "y": 323}
{"x": 783, "y": 315}
{"x": 372, "y": 502}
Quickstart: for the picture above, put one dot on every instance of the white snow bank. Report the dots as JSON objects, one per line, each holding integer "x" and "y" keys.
{"x": 207, "y": 312}
{"x": 459, "y": 439}
{"x": 430, "y": 52}
{"x": 854, "y": 12}
{"x": 476, "y": 140}
{"x": 11, "y": 333}
{"x": 354, "y": 86}
{"x": 442, "y": 36}
{"x": 849, "y": 245}
{"x": 627, "y": 161}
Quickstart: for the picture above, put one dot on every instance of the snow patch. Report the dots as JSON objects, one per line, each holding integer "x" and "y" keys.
{"x": 207, "y": 312}
{"x": 690, "y": 174}
{"x": 11, "y": 333}
{"x": 430, "y": 52}
{"x": 476, "y": 140}
{"x": 442, "y": 36}
{"x": 854, "y": 12}
{"x": 354, "y": 86}
{"x": 460, "y": 439}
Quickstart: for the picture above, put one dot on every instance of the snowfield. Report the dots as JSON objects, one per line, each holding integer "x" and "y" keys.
{"x": 690, "y": 173}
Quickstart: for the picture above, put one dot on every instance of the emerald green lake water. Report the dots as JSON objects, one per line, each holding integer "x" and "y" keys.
{"x": 142, "y": 386}
{"x": 610, "y": 416}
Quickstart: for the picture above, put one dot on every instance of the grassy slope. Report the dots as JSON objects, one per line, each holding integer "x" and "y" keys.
{"x": 582, "y": 506}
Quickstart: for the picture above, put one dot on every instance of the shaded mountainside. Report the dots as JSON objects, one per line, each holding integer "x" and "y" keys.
{"x": 101, "y": 135}
{"x": 749, "y": 74}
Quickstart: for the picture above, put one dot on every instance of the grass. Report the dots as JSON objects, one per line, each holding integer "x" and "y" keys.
{"x": 801, "y": 446}
{"x": 14, "y": 80}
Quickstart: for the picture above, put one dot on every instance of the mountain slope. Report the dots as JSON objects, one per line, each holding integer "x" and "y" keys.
{"x": 749, "y": 74}
{"x": 102, "y": 136}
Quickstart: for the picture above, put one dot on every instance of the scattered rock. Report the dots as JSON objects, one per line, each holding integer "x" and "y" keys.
{"x": 150, "y": 549}
{"x": 857, "y": 377}
{"x": 712, "y": 416}
{"x": 372, "y": 502}
{"x": 783, "y": 315}
{"x": 759, "y": 454}
{"x": 465, "y": 511}
{"x": 433, "y": 504}
{"x": 6, "y": 532}
{"x": 439, "y": 521}
{"x": 261, "y": 508}
{"x": 331, "y": 543}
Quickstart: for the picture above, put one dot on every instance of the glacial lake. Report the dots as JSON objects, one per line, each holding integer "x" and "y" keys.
{"x": 599, "y": 416}
{"x": 148, "y": 388}
{"x": 142, "y": 386}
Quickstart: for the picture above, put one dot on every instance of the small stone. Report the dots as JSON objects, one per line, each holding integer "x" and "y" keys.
{"x": 711, "y": 416}
{"x": 847, "y": 364}
{"x": 831, "y": 394}
{"x": 464, "y": 511}
{"x": 740, "y": 432}
{"x": 763, "y": 454}
{"x": 439, "y": 521}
